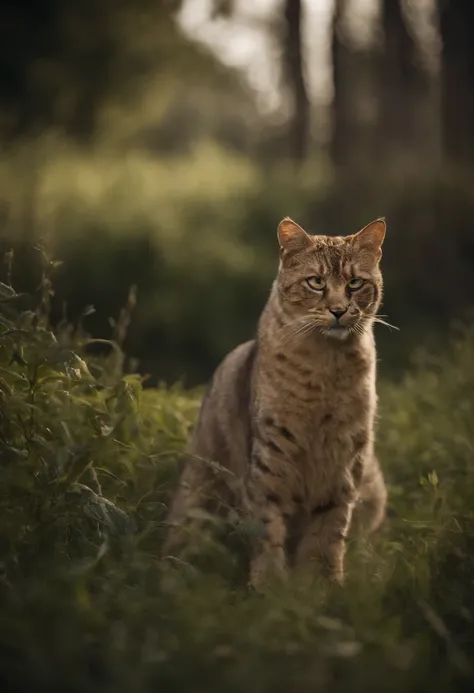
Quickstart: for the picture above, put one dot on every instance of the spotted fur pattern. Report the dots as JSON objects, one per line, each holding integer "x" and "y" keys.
{"x": 291, "y": 413}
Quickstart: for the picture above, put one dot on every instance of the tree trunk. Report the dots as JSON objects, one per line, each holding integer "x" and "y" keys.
{"x": 457, "y": 81}
{"x": 407, "y": 120}
{"x": 300, "y": 121}
{"x": 354, "y": 106}
{"x": 341, "y": 120}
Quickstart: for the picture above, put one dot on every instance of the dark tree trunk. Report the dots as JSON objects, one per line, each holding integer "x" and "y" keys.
{"x": 341, "y": 104}
{"x": 457, "y": 81}
{"x": 354, "y": 106}
{"x": 407, "y": 121}
{"x": 300, "y": 121}
{"x": 398, "y": 75}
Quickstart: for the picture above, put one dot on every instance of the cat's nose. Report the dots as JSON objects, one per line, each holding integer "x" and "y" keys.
{"x": 338, "y": 312}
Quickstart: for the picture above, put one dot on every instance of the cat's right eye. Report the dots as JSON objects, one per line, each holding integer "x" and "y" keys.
{"x": 316, "y": 283}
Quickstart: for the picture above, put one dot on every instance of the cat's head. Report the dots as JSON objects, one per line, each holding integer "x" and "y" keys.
{"x": 332, "y": 282}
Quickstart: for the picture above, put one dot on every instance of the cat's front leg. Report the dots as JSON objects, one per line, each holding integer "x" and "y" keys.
{"x": 269, "y": 557}
{"x": 324, "y": 540}
{"x": 369, "y": 511}
{"x": 269, "y": 504}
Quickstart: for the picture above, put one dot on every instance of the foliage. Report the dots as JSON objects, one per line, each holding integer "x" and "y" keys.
{"x": 75, "y": 67}
{"x": 87, "y": 460}
{"x": 199, "y": 230}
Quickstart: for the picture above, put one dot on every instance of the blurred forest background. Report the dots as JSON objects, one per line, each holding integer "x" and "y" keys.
{"x": 158, "y": 143}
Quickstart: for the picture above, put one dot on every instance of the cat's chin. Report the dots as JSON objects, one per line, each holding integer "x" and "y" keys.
{"x": 338, "y": 332}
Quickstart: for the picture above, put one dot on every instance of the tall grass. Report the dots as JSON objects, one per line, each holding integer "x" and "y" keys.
{"x": 88, "y": 459}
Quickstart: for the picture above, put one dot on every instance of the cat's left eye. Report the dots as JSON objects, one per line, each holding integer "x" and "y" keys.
{"x": 316, "y": 283}
{"x": 355, "y": 284}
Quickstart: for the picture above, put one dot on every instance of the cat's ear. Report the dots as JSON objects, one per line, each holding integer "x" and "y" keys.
{"x": 291, "y": 236}
{"x": 369, "y": 239}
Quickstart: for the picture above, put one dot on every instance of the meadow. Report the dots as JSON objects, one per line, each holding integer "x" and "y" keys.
{"x": 89, "y": 458}
{"x": 148, "y": 152}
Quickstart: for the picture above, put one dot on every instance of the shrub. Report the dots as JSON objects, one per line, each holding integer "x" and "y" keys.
{"x": 196, "y": 232}
{"x": 88, "y": 458}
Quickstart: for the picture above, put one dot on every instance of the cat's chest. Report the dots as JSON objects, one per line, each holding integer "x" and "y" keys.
{"x": 326, "y": 403}
{"x": 339, "y": 393}
{"x": 336, "y": 415}
{"x": 341, "y": 382}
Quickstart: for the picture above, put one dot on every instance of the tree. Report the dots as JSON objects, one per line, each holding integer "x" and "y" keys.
{"x": 405, "y": 89}
{"x": 294, "y": 64}
{"x": 354, "y": 105}
{"x": 61, "y": 62}
{"x": 457, "y": 80}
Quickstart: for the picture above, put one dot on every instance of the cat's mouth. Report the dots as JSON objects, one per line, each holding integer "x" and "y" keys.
{"x": 338, "y": 332}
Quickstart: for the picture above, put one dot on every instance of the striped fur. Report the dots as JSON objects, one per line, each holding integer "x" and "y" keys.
{"x": 291, "y": 413}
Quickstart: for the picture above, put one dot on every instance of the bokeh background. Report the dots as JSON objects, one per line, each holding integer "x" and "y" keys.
{"x": 153, "y": 147}
{"x": 158, "y": 144}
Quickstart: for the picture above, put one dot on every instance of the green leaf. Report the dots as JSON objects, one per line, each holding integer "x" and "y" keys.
{"x": 6, "y": 291}
{"x": 81, "y": 459}
{"x": 47, "y": 373}
{"x": 113, "y": 520}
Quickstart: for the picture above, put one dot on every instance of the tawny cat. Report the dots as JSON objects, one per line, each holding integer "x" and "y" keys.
{"x": 291, "y": 413}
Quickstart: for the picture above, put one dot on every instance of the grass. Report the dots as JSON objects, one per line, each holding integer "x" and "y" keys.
{"x": 87, "y": 462}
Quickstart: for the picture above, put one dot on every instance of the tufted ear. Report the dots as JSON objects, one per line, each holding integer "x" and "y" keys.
{"x": 369, "y": 239}
{"x": 291, "y": 236}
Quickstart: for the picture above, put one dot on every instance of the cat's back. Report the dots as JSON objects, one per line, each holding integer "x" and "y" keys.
{"x": 222, "y": 432}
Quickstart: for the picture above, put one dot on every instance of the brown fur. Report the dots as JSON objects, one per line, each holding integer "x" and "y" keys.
{"x": 291, "y": 414}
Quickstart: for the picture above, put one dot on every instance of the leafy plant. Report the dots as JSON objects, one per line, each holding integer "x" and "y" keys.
{"x": 88, "y": 458}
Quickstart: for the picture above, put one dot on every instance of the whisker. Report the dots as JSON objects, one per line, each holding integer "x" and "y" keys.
{"x": 357, "y": 328}
{"x": 289, "y": 327}
{"x": 378, "y": 320}
{"x": 307, "y": 328}
{"x": 297, "y": 328}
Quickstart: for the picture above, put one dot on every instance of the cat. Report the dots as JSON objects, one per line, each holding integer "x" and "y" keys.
{"x": 291, "y": 414}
